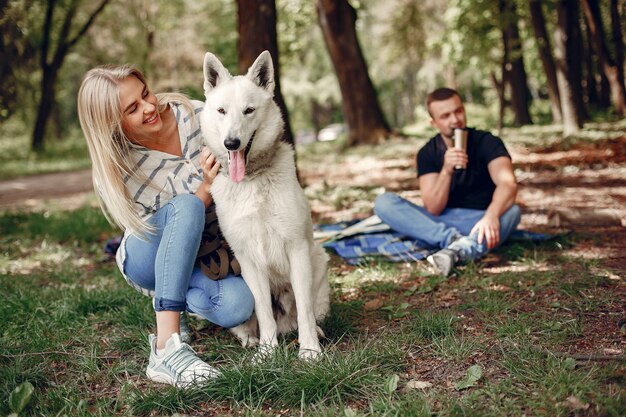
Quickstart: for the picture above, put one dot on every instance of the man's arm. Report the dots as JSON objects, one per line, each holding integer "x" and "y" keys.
{"x": 501, "y": 172}
{"x": 435, "y": 186}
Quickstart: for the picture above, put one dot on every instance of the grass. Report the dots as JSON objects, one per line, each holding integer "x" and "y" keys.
{"x": 76, "y": 332}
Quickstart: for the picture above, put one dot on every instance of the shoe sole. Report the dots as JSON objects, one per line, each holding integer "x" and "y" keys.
{"x": 160, "y": 377}
{"x": 167, "y": 379}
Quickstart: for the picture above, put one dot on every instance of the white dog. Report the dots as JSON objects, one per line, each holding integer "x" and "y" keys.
{"x": 263, "y": 213}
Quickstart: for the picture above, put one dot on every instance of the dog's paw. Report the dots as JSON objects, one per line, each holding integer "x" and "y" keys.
{"x": 263, "y": 354}
{"x": 309, "y": 354}
{"x": 249, "y": 342}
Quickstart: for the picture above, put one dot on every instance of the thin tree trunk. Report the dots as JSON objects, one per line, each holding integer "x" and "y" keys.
{"x": 613, "y": 72}
{"x": 499, "y": 87}
{"x": 257, "y": 33}
{"x": 361, "y": 110}
{"x": 564, "y": 44}
{"x": 515, "y": 64}
{"x": 545, "y": 54}
{"x": 51, "y": 69}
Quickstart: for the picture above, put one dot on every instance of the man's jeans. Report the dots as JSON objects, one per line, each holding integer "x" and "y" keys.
{"x": 165, "y": 263}
{"x": 441, "y": 231}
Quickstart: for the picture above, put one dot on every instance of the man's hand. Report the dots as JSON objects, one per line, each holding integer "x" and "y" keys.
{"x": 488, "y": 228}
{"x": 453, "y": 158}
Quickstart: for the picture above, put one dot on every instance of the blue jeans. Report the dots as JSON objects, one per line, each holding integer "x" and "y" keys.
{"x": 166, "y": 263}
{"x": 440, "y": 231}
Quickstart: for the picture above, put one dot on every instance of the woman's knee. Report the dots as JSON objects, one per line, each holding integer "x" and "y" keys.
{"x": 228, "y": 306}
{"x": 238, "y": 299}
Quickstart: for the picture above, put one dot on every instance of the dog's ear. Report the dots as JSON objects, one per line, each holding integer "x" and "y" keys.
{"x": 262, "y": 72}
{"x": 214, "y": 72}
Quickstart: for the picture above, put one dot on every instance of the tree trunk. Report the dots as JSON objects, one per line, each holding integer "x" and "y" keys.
{"x": 545, "y": 54}
{"x": 515, "y": 64}
{"x": 361, "y": 110}
{"x": 499, "y": 87}
{"x": 564, "y": 45}
{"x": 50, "y": 70}
{"x": 614, "y": 72}
{"x": 257, "y": 33}
{"x": 591, "y": 86}
{"x": 44, "y": 111}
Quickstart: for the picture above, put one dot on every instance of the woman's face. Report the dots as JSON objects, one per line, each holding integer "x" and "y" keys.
{"x": 140, "y": 118}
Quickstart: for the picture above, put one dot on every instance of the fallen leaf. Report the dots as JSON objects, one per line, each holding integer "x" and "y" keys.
{"x": 610, "y": 351}
{"x": 574, "y": 403}
{"x": 415, "y": 384}
{"x": 374, "y": 304}
{"x": 474, "y": 373}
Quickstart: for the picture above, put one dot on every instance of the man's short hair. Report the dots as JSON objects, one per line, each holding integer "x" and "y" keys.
{"x": 440, "y": 94}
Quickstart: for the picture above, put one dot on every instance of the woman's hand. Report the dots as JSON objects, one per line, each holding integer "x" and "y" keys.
{"x": 210, "y": 168}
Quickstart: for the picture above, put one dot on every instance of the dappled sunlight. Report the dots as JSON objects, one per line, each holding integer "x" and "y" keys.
{"x": 521, "y": 267}
{"x": 46, "y": 256}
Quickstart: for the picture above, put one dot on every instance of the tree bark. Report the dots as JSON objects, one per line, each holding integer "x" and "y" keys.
{"x": 614, "y": 72}
{"x": 50, "y": 70}
{"x": 515, "y": 63}
{"x": 545, "y": 54}
{"x": 361, "y": 110}
{"x": 565, "y": 56}
{"x": 257, "y": 33}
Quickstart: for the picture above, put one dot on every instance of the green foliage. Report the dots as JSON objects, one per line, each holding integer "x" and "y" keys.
{"x": 17, "y": 158}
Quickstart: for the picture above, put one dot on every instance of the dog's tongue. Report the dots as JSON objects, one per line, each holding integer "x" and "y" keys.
{"x": 237, "y": 167}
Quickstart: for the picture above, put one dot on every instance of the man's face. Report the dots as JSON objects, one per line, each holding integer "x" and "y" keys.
{"x": 447, "y": 115}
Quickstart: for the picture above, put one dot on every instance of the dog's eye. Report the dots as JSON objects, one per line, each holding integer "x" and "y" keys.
{"x": 221, "y": 110}
{"x": 248, "y": 110}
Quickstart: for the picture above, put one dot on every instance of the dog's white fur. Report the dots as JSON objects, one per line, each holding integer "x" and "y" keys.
{"x": 264, "y": 214}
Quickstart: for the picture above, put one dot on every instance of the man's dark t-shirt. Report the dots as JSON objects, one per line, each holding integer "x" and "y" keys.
{"x": 472, "y": 187}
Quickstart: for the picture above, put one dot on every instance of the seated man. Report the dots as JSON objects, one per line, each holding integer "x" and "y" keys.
{"x": 469, "y": 209}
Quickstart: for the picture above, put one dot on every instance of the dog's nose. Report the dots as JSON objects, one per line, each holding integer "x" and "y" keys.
{"x": 232, "y": 144}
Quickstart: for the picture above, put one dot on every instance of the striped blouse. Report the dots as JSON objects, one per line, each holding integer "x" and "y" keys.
{"x": 168, "y": 175}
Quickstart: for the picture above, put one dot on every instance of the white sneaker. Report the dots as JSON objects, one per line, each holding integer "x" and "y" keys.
{"x": 178, "y": 365}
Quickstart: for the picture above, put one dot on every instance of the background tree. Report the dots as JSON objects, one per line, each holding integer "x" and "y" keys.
{"x": 51, "y": 61}
{"x": 613, "y": 70}
{"x": 513, "y": 63}
{"x": 545, "y": 54}
{"x": 257, "y": 32}
{"x": 403, "y": 42}
{"x": 362, "y": 113}
{"x": 17, "y": 55}
{"x": 568, "y": 57}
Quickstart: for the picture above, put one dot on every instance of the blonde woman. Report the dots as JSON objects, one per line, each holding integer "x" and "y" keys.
{"x": 153, "y": 178}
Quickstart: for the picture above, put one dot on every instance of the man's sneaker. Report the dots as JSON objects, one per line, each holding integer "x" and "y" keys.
{"x": 178, "y": 365}
{"x": 443, "y": 261}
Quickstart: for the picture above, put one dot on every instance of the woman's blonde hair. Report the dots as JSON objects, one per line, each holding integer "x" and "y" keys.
{"x": 100, "y": 115}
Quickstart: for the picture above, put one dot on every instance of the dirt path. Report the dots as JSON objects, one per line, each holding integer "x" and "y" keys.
{"x": 34, "y": 191}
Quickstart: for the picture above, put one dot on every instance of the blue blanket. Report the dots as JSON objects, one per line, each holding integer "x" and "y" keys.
{"x": 393, "y": 246}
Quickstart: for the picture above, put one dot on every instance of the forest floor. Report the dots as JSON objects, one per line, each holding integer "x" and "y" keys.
{"x": 545, "y": 323}
{"x": 563, "y": 187}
